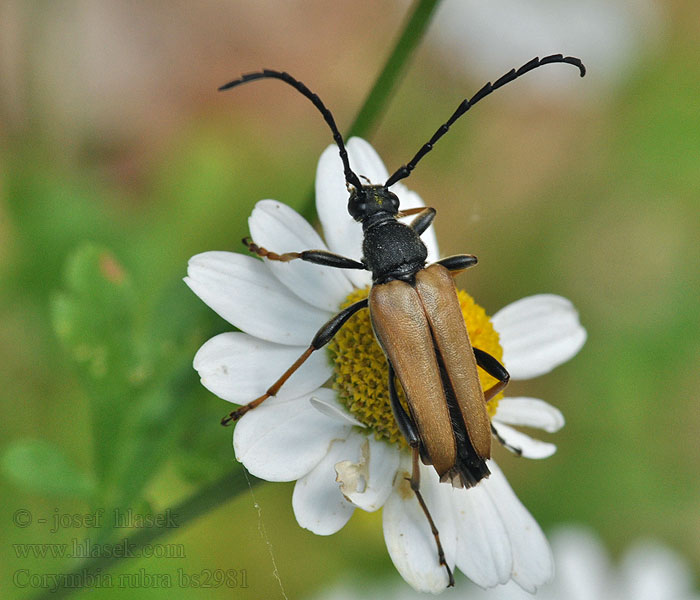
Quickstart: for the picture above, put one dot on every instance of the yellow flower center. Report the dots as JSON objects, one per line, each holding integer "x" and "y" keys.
{"x": 361, "y": 374}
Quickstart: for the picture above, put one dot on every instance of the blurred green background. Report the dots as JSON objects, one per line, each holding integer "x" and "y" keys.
{"x": 119, "y": 160}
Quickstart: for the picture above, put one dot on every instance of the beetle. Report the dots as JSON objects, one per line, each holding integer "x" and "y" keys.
{"x": 415, "y": 315}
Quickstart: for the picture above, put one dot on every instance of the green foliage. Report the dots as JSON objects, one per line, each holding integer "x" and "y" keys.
{"x": 136, "y": 369}
{"x": 42, "y": 467}
{"x": 95, "y": 318}
{"x": 53, "y": 213}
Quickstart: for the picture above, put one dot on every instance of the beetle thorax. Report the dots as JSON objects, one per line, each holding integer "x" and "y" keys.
{"x": 392, "y": 250}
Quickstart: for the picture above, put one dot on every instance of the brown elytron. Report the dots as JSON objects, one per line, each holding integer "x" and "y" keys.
{"x": 420, "y": 327}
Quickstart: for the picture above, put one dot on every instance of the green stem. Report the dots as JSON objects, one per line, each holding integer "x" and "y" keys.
{"x": 200, "y": 503}
{"x": 383, "y": 88}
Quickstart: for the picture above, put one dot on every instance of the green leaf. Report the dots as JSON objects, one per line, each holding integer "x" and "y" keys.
{"x": 42, "y": 467}
{"x": 136, "y": 367}
{"x": 95, "y": 319}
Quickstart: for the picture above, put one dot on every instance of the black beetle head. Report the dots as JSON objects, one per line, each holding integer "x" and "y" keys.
{"x": 372, "y": 199}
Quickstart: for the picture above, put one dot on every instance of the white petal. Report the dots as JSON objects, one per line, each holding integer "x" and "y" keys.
{"x": 529, "y": 412}
{"x": 368, "y": 482}
{"x": 483, "y": 548}
{"x": 533, "y": 564}
{"x": 652, "y": 572}
{"x": 343, "y": 234}
{"x": 529, "y": 447}
{"x": 317, "y": 502}
{"x": 280, "y": 229}
{"x": 365, "y": 161}
{"x": 582, "y": 566}
{"x": 335, "y": 412}
{"x": 242, "y": 290}
{"x": 238, "y": 367}
{"x": 410, "y": 543}
{"x": 409, "y": 199}
{"x": 537, "y": 334}
{"x": 283, "y": 440}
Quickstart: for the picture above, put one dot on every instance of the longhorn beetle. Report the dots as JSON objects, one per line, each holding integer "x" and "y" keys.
{"x": 415, "y": 315}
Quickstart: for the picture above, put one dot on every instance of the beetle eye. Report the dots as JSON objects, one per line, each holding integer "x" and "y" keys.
{"x": 357, "y": 208}
{"x": 394, "y": 200}
{"x": 356, "y": 204}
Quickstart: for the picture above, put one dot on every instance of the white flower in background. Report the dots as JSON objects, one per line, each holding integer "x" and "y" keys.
{"x": 648, "y": 571}
{"x": 486, "y": 39}
{"x": 342, "y": 445}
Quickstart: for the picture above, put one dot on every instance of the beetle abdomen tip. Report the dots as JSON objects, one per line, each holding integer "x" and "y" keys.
{"x": 466, "y": 476}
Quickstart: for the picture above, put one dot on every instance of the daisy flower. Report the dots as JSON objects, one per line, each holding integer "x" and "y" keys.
{"x": 648, "y": 571}
{"x": 340, "y": 442}
{"x": 613, "y": 36}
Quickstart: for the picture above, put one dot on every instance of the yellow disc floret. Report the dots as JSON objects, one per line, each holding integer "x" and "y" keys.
{"x": 360, "y": 372}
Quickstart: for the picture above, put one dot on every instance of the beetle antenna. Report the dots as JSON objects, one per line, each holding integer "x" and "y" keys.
{"x": 350, "y": 176}
{"x": 513, "y": 74}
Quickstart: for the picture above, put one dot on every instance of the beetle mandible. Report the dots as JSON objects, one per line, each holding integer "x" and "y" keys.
{"x": 415, "y": 315}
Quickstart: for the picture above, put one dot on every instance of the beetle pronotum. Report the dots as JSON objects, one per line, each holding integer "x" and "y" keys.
{"x": 412, "y": 307}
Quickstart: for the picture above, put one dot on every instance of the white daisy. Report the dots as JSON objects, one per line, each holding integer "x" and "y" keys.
{"x": 341, "y": 445}
{"x": 611, "y": 38}
{"x": 648, "y": 571}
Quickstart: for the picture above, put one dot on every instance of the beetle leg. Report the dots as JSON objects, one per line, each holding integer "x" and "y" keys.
{"x": 423, "y": 220}
{"x": 489, "y": 364}
{"x": 322, "y": 337}
{"x": 319, "y": 257}
{"x": 410, "y": 211}
{"x": 403, "y": 420}
{"x": 408, "y": 430}
{"x": 458, "y": 263}
{"x": 494, "y": 368}
{"x": 506, "y": 445}
{"x": 415, "y": 486}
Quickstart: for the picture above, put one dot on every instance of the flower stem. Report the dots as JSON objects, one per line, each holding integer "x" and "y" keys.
{"x": 209, "y": 497}
{"x": 383, "y": 88}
